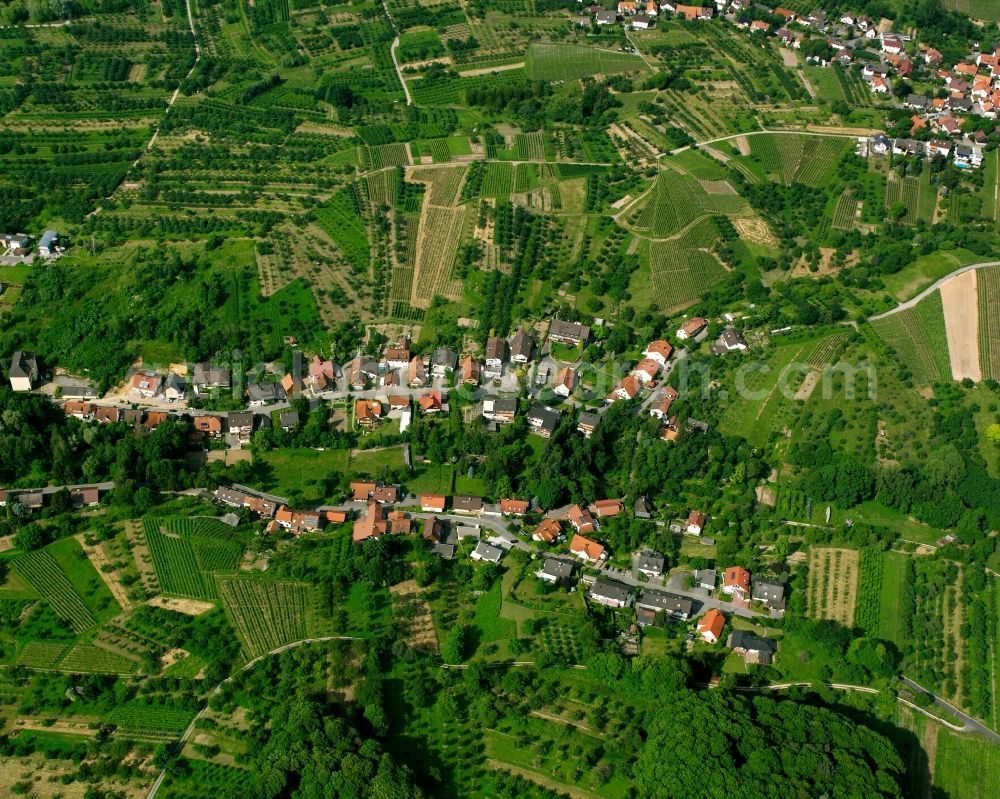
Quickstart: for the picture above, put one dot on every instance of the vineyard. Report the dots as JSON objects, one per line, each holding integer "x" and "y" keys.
{"x": 846, "y": 212}
{"x": 905, "y": 191}
{"x": 340, "y": 220}
{"x": 45, "y": 576}
{"x": 529, "y": 146}
{"x": 552, "y": 62}
{"x": 988, "y": 296}
{"x": 677, "y": 200}
{"x": 918, "y": 337}
{"x": 265, "y": 614}
{"x": 866, "y": 611}
{"x": 381, "y": 156}
{"x": 41, "y": 654}
{"x": 498, "y": 180}
{"x": 798, "y": 159}
{"x": 682, "y": 269}
{"x": 827, "y": 350}
{"x": 150, "y": 721}
{"x": 439, "y": 235}
{"x": 84, "y": 657}
{"x": 833, "y": 584}
{"x": 445, "y": 184}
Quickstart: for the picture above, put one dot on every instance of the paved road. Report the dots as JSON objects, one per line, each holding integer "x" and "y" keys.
{"x": 969, "y": 723}
{"x": 932, "y": 288}
{"x": 846, "y": 134}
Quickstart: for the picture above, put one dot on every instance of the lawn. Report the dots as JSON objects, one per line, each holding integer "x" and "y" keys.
{"x": 84, "y": 578}
{"x": 372, "y": 460}
{"x": 301, "y": 471}
{"x": 893, "y": 569}
{"x": 913, "y": 279}
{"x": 966, "y": 767}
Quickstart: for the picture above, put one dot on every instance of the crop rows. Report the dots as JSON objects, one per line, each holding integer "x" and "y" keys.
{"x": 340, "y": 220}
{"x": 988, "y": 294}
{"x": 47, "y": 578}
{"x": 143, "y": 720}
{"x": 529, "y": 146}
{"x": 176, "y": 564}
{"x": 906, "y": 332}
{"x": 680, "y": 271}
{"x": 826, "y": 350}
{"x": 439, "y": 237}
{"x": 382, "y": 186}
{"x": 845, "y": 212}
{"x": 266, "y": 615}
{"x": 906, "y": 191}
{"x": 572, "y": 62}
{"x": 833, "y": 584}
{"x": 866, "y": 611}
{"x": 819, "y": 155}
{"x": 525, "y": 177}
{"x": 380, "y": 156}
{"x": 84, "y": 657}
{"x": 41, "y": 654}
{"x": 198, "y": 527}
{"x": 444, "y": 183}
{"x": 677, "y": 200}
{"x": 498, "y": 180}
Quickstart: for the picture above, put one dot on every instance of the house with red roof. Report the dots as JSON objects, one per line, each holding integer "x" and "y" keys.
{"x": 547, "y": 532}
{"x": 710, "y": 626}
{"x": 586, "y": 549}
{"x": 736, "y": 581}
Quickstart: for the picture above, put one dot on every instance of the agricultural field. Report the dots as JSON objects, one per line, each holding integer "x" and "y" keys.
{"x": 791, "y": 158}
{"x": 917, "y": 335}
{"x": 682, "y": 269}
{"x": 676, "y": 200}
{"x": 869, "y": 591}
{"x": 265, "y": 614}
{"x": 988, "y": 294}
{"x": 833, "y": 584}
{"x": 187, "y": 553}
{"x": 557, "y": 62}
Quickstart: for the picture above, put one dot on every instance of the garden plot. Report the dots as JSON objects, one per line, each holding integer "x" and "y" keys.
{"x": 833, "y": 584}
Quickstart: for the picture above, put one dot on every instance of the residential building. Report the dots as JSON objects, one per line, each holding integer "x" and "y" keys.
{"x": 755, "y": 649}
{"x": 565, "y": 382}
{"x": 496, "y": 356}
{"x": 642, "y": 21}
{"x": 736, "y": 581}
{"x": 486, "y": 552}
{"x": 571, "y": 333}
{"x": 646, "y": 371}
{"x": 362, "y": 370}
{"x": 397, "y": 354}
{"x": 587, "y": 422}
{"x": 514, "y": 507}
{"x": 729, "y": 341}
{"x": 372, "y": 525}
{"x": 659, "y": 351}
{"x": 48, "y": 244}
{"x": 710, "y": 626}
{"x": 649, "y": 563}
{"x": 695, "y": 523}
{"x": 322, "y": 374}
{"x": 661, "y": 408}
{"x": 705, "y": 579}
{"x": 543, "y": 420}
{"x": 611, "y": 593}
{"x": 627, "y": 389}
{"x": 416, "y": 376}
{"x": 108, "y": 415}
{"x": 606, "y": 18}
{"x": 443, "y": 361}
{"x": 772, "y": 594}
{"x": 521, "y": 348}
{"x": 464, "y": 531}
{"x": 499, "y": 409}
{"x": 692, "y": 328}
{"x": 361, "y": 490}
{"x": 586, "y": 549}
{"x": 581, "y": 520}
{"x": 209, "y": 377}
{"x": 367, "y": 413}
{"x": 23, "y": 374}
{"x": 471, "y": 371}
{"x": 144, "y": 385}
{"x": 431, "y": 402}
{"x": 240, "y": 423}
{"x": 433, "y": 503}
{"x": 289, "y": 420}
{"x": 174, "y": 387}
{"x": 605, "y": 508}
{"x": 208, "y": 424}
{"x": 651, "y": 602}
{"x": 472, "y": 506}
{"x": 556, "y": 571}
{"x": 642, "y": 508}
{"x": 261, "y": 394}
{"x": 548, "y": 531}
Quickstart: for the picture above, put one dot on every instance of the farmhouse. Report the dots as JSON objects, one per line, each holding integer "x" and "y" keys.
{"x": 710, "y": 626}
{"x": 372, "y": 525}
{"x": 611, "y": 593}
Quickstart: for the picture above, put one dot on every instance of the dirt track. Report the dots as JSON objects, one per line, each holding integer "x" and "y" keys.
{"x": 961, "y": 320}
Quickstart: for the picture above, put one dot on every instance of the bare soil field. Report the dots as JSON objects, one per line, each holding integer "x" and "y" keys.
{"x": 192, "y": 607}
{"x": 961, "y": 321}
{"x": 833, "y": 584}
